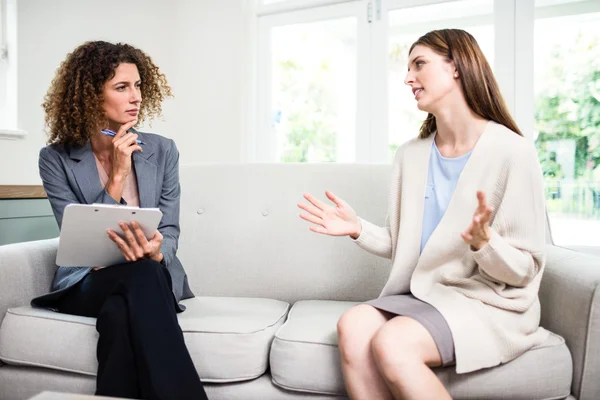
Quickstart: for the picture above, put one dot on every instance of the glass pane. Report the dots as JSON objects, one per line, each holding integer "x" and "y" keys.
{"x": 405, "y": 27}
{"x": 314, "y": 90}
{"x": 567, "y": 112}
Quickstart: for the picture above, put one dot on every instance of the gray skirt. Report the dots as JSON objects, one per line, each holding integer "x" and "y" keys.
{"x": 409, "y": 306}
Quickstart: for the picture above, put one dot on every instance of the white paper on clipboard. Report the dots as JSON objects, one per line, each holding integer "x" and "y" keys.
{"x": 84, "y": 241}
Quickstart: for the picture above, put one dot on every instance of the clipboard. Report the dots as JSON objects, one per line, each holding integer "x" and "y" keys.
{"x": 84, "y": 241}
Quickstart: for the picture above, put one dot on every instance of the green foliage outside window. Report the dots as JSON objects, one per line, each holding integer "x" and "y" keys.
{"x": 568, "y": 108}
{"x": 308, "y": 113}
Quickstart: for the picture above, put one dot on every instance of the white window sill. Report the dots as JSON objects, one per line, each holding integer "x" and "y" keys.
{"x": 12, "y": 134}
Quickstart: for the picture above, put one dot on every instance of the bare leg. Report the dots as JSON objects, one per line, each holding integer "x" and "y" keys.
{"x": 404, "y": 351}
{"x": 362, "y": 378}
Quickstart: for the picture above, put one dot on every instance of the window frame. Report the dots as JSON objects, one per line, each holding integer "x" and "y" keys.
{"x": 511, "y": 18}
{"x": 513, "y": 47}
{"x": 263, "y": 144}
{"x": 8, "y": 72}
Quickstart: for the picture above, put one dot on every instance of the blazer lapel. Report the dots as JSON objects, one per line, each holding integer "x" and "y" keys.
{"x": 145, "y": 171}
{"x": 86, "y": 172}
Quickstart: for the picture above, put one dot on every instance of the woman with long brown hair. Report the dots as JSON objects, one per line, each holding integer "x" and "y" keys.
{"x": 465, "y": 233}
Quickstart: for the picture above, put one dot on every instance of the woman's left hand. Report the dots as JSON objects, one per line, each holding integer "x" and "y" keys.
{"x": 135, "y": 246}
{"x": 478, "y": 233}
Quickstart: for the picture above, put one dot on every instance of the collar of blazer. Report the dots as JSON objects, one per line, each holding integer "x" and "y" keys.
{"x": 80, "y": 152}
{"x": 88, "y": 180}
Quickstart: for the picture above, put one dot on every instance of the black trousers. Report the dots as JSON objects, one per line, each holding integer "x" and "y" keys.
{"x": 141, "y": 351}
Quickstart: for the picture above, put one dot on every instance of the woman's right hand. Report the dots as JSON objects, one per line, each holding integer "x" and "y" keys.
{"x": 124, "y": 144}
{"x": 338, "y": 220}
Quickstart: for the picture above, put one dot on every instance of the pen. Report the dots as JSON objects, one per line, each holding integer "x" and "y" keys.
{"x": 108, "y": 132}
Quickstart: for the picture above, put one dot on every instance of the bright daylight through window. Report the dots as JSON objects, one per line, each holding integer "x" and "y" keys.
{"x": 567, "y": 115}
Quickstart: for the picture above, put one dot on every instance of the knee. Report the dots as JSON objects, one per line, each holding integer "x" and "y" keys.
{"x": 147, "y": 265}
{"x": 113, "y": 314}
{"x": 148, "y": 269}
{"x": 352, "y": 339}
{"x": 395, "y": 347}
{"x": 382, "y": 346}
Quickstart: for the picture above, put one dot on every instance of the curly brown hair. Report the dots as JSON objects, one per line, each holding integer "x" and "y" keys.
{"x": 73, "y": 103}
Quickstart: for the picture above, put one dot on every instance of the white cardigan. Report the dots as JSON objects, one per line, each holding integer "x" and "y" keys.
{"x": 489, "y": 297}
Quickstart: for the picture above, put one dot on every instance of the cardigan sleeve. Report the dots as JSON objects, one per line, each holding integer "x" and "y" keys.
{"x": 515, "y": 253}
{"x": 378, "y": 239}
{"x": 375, "y": 239}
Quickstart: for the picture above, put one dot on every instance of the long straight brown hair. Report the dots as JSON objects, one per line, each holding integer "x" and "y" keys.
{"x": 479, "y": 85}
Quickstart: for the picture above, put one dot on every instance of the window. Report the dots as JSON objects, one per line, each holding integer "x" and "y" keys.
{"x": 314, "y": 90}
{"x": 330, "y": 78}
{"x": 3, "y": 66}
{"x": 8, "y": 71}
{"x": 308, "y": 78}
{"x": 567, "y": 115}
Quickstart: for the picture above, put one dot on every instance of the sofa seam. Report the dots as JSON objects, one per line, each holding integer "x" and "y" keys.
{"x": 290, "y": 314}
{"x": 18, "y": 363}
{"x": 47, "y": 366}
{"x": 300, "y": 390}
{"x": 271, "y": 325}
{"x": 587, "y": 342}
{"x": 11, "y": 311}
{"x": 559, "y": 397}
{"x": 232, "y": 380}
{"x": 305, "y": 342}
{"x": 559, "y": 344}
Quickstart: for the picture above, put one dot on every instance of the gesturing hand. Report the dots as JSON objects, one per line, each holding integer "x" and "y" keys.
{"x": 338, "y": 220}
{"x": 135, "y": 246}
{"x": 478, "y": 233}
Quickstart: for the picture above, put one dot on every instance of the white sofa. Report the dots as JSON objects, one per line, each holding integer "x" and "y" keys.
{"x": 270, "y": 292}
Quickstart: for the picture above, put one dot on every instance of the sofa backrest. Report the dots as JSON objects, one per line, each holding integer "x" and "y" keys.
{"x": 241, "y": 234}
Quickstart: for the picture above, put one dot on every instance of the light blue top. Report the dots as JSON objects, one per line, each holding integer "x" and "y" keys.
{"x": 441, "y": 182}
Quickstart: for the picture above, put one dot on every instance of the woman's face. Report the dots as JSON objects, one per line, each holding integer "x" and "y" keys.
{"x": 431, "y": 78}
{"x": 123, "y": 95}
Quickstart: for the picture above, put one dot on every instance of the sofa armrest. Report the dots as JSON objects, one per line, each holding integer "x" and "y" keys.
{"x": 26, "y": 271}
{"x": 570, "y": 300}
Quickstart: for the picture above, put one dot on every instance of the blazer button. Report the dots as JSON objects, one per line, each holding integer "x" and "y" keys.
{"x": 265, "y": 213}
{"x": 200, "y": 211}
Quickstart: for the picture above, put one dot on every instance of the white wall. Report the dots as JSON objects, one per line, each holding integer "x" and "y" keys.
{"x": 199, "y": 45}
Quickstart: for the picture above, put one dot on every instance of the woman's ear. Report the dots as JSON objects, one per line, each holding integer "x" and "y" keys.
{"x": 454, "y": 70}
{"x": 451, "y": 68}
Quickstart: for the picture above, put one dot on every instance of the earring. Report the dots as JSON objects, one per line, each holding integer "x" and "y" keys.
{"x": 456, "y": 75}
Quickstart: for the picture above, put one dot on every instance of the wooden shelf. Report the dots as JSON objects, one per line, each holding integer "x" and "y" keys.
{"x": 22, "y": 192}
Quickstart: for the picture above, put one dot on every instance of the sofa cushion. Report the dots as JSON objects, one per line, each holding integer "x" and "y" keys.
{"x": 228, "y": 338}
{"x": 304, "y": 357}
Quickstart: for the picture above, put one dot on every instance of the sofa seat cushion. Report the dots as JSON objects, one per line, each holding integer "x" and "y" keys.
{"x": 228, "y": 338}
{"x": 304, "y": 357}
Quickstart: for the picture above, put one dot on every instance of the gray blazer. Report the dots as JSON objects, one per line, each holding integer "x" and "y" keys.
{"x": 70, "y": 175}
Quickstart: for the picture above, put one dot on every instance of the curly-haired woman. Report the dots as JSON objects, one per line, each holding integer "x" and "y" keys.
{"x": 103, "y": 86}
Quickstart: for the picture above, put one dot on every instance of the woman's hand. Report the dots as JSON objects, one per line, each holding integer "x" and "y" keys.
{"x": 338, "y": 220}
{"x": 478, "y": 233}
{"x": 135, "y": 246}
{"x": 124, "y": 144}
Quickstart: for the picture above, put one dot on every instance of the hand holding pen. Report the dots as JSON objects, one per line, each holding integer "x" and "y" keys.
{"x": 124, "y": 144}
{"x": 108, "y": 132}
